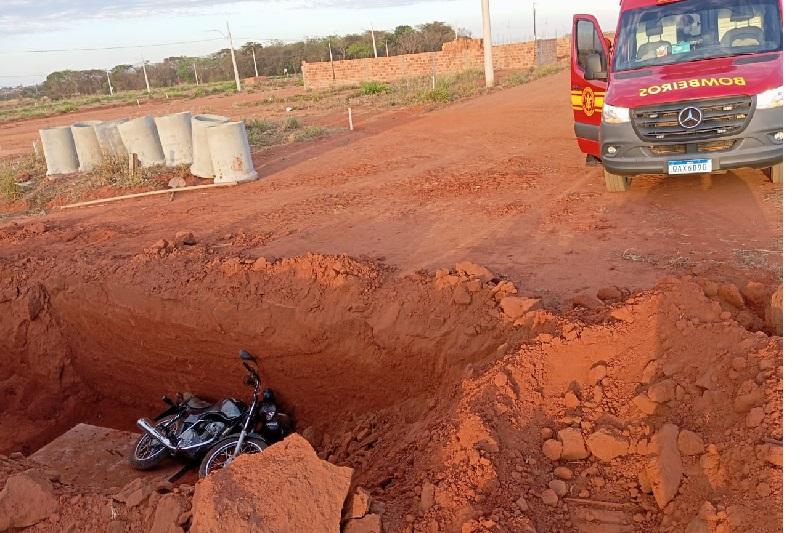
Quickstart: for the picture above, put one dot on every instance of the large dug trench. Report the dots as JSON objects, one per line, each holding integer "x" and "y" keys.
{"x": 460, "y": 405}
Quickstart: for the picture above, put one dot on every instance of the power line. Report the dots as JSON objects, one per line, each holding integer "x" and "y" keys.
{"x": 44, "y": 51}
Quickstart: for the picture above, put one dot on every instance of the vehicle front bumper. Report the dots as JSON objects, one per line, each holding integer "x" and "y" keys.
{"x": 755, "y": 147}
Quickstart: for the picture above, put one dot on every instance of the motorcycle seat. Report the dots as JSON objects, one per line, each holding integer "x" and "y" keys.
{"x": 196, "y": 403}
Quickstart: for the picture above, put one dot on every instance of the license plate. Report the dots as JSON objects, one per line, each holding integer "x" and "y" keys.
{"x": 691, "y": 166}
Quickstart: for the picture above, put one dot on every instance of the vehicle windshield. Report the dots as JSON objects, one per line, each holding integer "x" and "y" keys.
{"x": 697, "y": 29}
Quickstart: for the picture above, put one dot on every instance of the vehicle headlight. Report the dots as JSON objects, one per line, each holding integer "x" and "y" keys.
{"x": 770, "y": 99}
{"x": 616, "y": 115}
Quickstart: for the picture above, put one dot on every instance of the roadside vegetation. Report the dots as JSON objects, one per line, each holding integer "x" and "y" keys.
{"x": 264, "y": 133}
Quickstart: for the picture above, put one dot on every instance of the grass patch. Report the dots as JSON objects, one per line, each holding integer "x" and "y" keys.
{"x": 439, "y": 95}
{"x": 374, "y": 87}
{"x": 264, "y": 133}
{"x": 308, "y": 133}
{"x": 13, "y": 172}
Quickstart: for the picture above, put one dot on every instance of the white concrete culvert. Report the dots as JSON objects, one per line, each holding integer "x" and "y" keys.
{"x": 175, "y": 132}
{"x": 230, "y": 153}
{"x": 140, "y": 137}
{"x": 109, "y": 138}
{"x": 59, "y": 150}
{"x": 202, "y": 166}
{"x": 90, "y": 156}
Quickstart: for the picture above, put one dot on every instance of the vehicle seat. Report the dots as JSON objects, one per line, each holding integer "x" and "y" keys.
{"x": 592, "y": 64}
{"x": 196, "y": 403}
{"x": 649, "y": 49}
{"x": 745, "y": 36}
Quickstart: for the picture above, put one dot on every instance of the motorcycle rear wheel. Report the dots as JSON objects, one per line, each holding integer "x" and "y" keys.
{"x": 221, "y": 454}
{"x": 147, "y": 453}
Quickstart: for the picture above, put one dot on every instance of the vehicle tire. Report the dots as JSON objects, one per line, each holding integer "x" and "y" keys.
{"x": 221, "y": 454}
{"x": 147, "y": 453}
{"x": 776, "y": 173}
{"x": 616, "y": 183}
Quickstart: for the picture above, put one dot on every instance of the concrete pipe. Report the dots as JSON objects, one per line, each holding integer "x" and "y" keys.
{"x": 175, "y": 132}
{"x": 109, "y": 138}
{"x": 140, "y": 137}
{"x": 230, "y": 153}
{"x": 201, "y": 157}
{"x": 59, "y": 150}
{"x": 90, "y": 156}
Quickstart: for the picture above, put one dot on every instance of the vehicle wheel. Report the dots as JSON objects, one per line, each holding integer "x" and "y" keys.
{"x": 221, "y": 454}
{"x": 616, "y": 183}
{"x": 147, "y": 453}
{"x": 776, "y": 173}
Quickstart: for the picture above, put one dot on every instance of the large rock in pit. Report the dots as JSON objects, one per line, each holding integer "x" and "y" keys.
{"x": 285, "y": 488}
{"x": 27, "y": 499}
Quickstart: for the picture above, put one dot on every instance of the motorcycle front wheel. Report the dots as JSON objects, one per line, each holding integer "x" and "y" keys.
{"x": 219, "y": 456}
{"x": 147, "y": 453}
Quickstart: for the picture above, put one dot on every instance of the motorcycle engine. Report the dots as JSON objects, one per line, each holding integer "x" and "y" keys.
{"x": 198, "y": 433}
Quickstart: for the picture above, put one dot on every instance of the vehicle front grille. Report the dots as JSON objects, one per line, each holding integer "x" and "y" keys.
{"x": 716, "y": 146}
{"x": 668, "y": 149}
{"x": 721, "y": 117}
{"x": 700, "y": 148}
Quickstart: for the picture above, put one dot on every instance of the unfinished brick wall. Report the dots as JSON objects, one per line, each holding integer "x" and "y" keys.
{"x": 456, "y": 56}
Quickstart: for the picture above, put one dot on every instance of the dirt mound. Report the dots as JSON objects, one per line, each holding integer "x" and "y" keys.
{"x": 285, "y": 488}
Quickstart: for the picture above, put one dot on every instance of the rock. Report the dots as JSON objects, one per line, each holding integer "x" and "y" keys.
{"x": 427, "y": 496}
{"x": 185, "y": 238}
{"x": 160, "y": 244}
{"x": 26, "y": 499}
{"x": 261, "y": 264}
{"x": 690, "y": 443}
{"x": 546, "y": 433}
{"x": 488, "y": 444}
{"x": 664, "y": 468}
{"x": 562, "y": 472}
{"x": 649, "y": 373}
{"x": 522, "y": 504}
{"x": 623, "y": 314}
{"x": 607, "y": 445}
{"x": 358, "y": 504}
{"x": 739, "y": 363}
{"x": 748, "y": 397}
{"x": 514, "y": 306}
{"x": 610, "y": 294}
{"x": 549, "y": 497}
{"x": 134, "y": 493}
{"x": 774, "y": 311}
{"x": 176, "y": 182}
{"x": 559, "y": 487}
{"x": 267, "y": 488}
{"x": 754, "y": 417}
{"x": 500, "y": 379}
{"x": 552, "y": 449}
{"x": 461, "y": 295}
{"x": 644, "y": 404}
{"x": 169, "y": 510}
{"x": 644, "y": 483}
{"x": 571, "y": 401}
{"x": 574, "y": 448}
{"x": 371, "y": 523}
{"x": 730, "y": 293}
{"x": 597, "y": 373}
{"x": 586, "y": 300}
{"x": 468, "y": 268}
{"x": 662, "y": 392}
{"x": 772, "y": 454}
{"x": 711, "y": 289}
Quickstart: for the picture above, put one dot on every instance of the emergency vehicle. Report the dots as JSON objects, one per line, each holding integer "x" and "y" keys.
{"x": 688, "y": 87}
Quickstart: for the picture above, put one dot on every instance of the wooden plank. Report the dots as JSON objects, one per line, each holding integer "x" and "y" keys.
{"x": 148, "y": 193}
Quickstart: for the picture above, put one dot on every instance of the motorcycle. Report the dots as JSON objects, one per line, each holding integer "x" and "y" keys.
{"x": 192, "y": 428}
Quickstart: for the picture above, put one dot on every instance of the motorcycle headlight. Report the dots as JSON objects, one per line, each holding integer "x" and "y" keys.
{"x": 616, "y": 115}
{"x": 770, "y": 99}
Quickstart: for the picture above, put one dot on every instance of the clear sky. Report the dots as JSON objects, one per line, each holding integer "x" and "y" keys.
{"x": 67, "y": 24}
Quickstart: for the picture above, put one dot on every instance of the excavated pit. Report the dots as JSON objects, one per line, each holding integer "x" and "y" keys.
{"x": 335, "y": 338}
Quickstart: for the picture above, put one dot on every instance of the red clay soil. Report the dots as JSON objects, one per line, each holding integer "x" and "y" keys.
{"x": 614, "y": 345}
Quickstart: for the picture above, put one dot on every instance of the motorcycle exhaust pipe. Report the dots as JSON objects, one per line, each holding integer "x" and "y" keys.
{"x": 148, "y": 428}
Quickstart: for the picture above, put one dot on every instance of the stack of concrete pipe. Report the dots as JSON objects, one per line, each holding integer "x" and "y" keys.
{"x": 215, "y": 147}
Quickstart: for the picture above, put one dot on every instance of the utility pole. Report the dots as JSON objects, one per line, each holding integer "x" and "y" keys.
{"x": 534, "y": 21}
{"x": 233, "y": 58}
{"x": 110, "y": 87}
{"x": 387, "y": 48}
{"x": 255, "y": 65}
{"x": 333, "y": 71}
{"x": 196, "y": 78}
{"x": 146, "y": 79}
{"x": 488, "y": 61}
{"x": 374, "y": 47}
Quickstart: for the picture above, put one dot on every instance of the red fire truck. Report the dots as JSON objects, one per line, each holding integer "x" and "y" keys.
{"x": 688, "y": 87}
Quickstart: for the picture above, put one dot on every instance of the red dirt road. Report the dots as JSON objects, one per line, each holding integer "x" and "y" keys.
{"x": 497, "y": 179}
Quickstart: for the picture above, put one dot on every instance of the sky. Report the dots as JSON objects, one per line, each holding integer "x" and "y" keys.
{"x": 27, "y": 25}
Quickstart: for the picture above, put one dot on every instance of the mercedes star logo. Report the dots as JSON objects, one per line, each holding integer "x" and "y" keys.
{"x": 690, "y": 118}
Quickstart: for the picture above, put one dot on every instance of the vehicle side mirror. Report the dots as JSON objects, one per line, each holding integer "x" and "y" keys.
{"x": 245, "y": 356}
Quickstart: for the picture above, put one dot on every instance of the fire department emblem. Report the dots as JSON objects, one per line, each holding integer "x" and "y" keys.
{"x": 588, "y": 101}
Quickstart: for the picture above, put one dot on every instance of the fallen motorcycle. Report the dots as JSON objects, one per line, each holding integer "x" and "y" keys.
{"x": 192, "y": 428}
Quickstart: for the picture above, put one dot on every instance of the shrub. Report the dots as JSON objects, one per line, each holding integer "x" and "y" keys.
{"x": 374, "y": 87}
{"x": 440, "y": 95}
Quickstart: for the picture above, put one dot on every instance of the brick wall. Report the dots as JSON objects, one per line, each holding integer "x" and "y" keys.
{"x": 457, "y": 56}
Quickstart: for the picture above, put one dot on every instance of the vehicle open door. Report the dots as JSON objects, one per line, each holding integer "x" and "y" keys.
{"x": 590, "y": 61}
